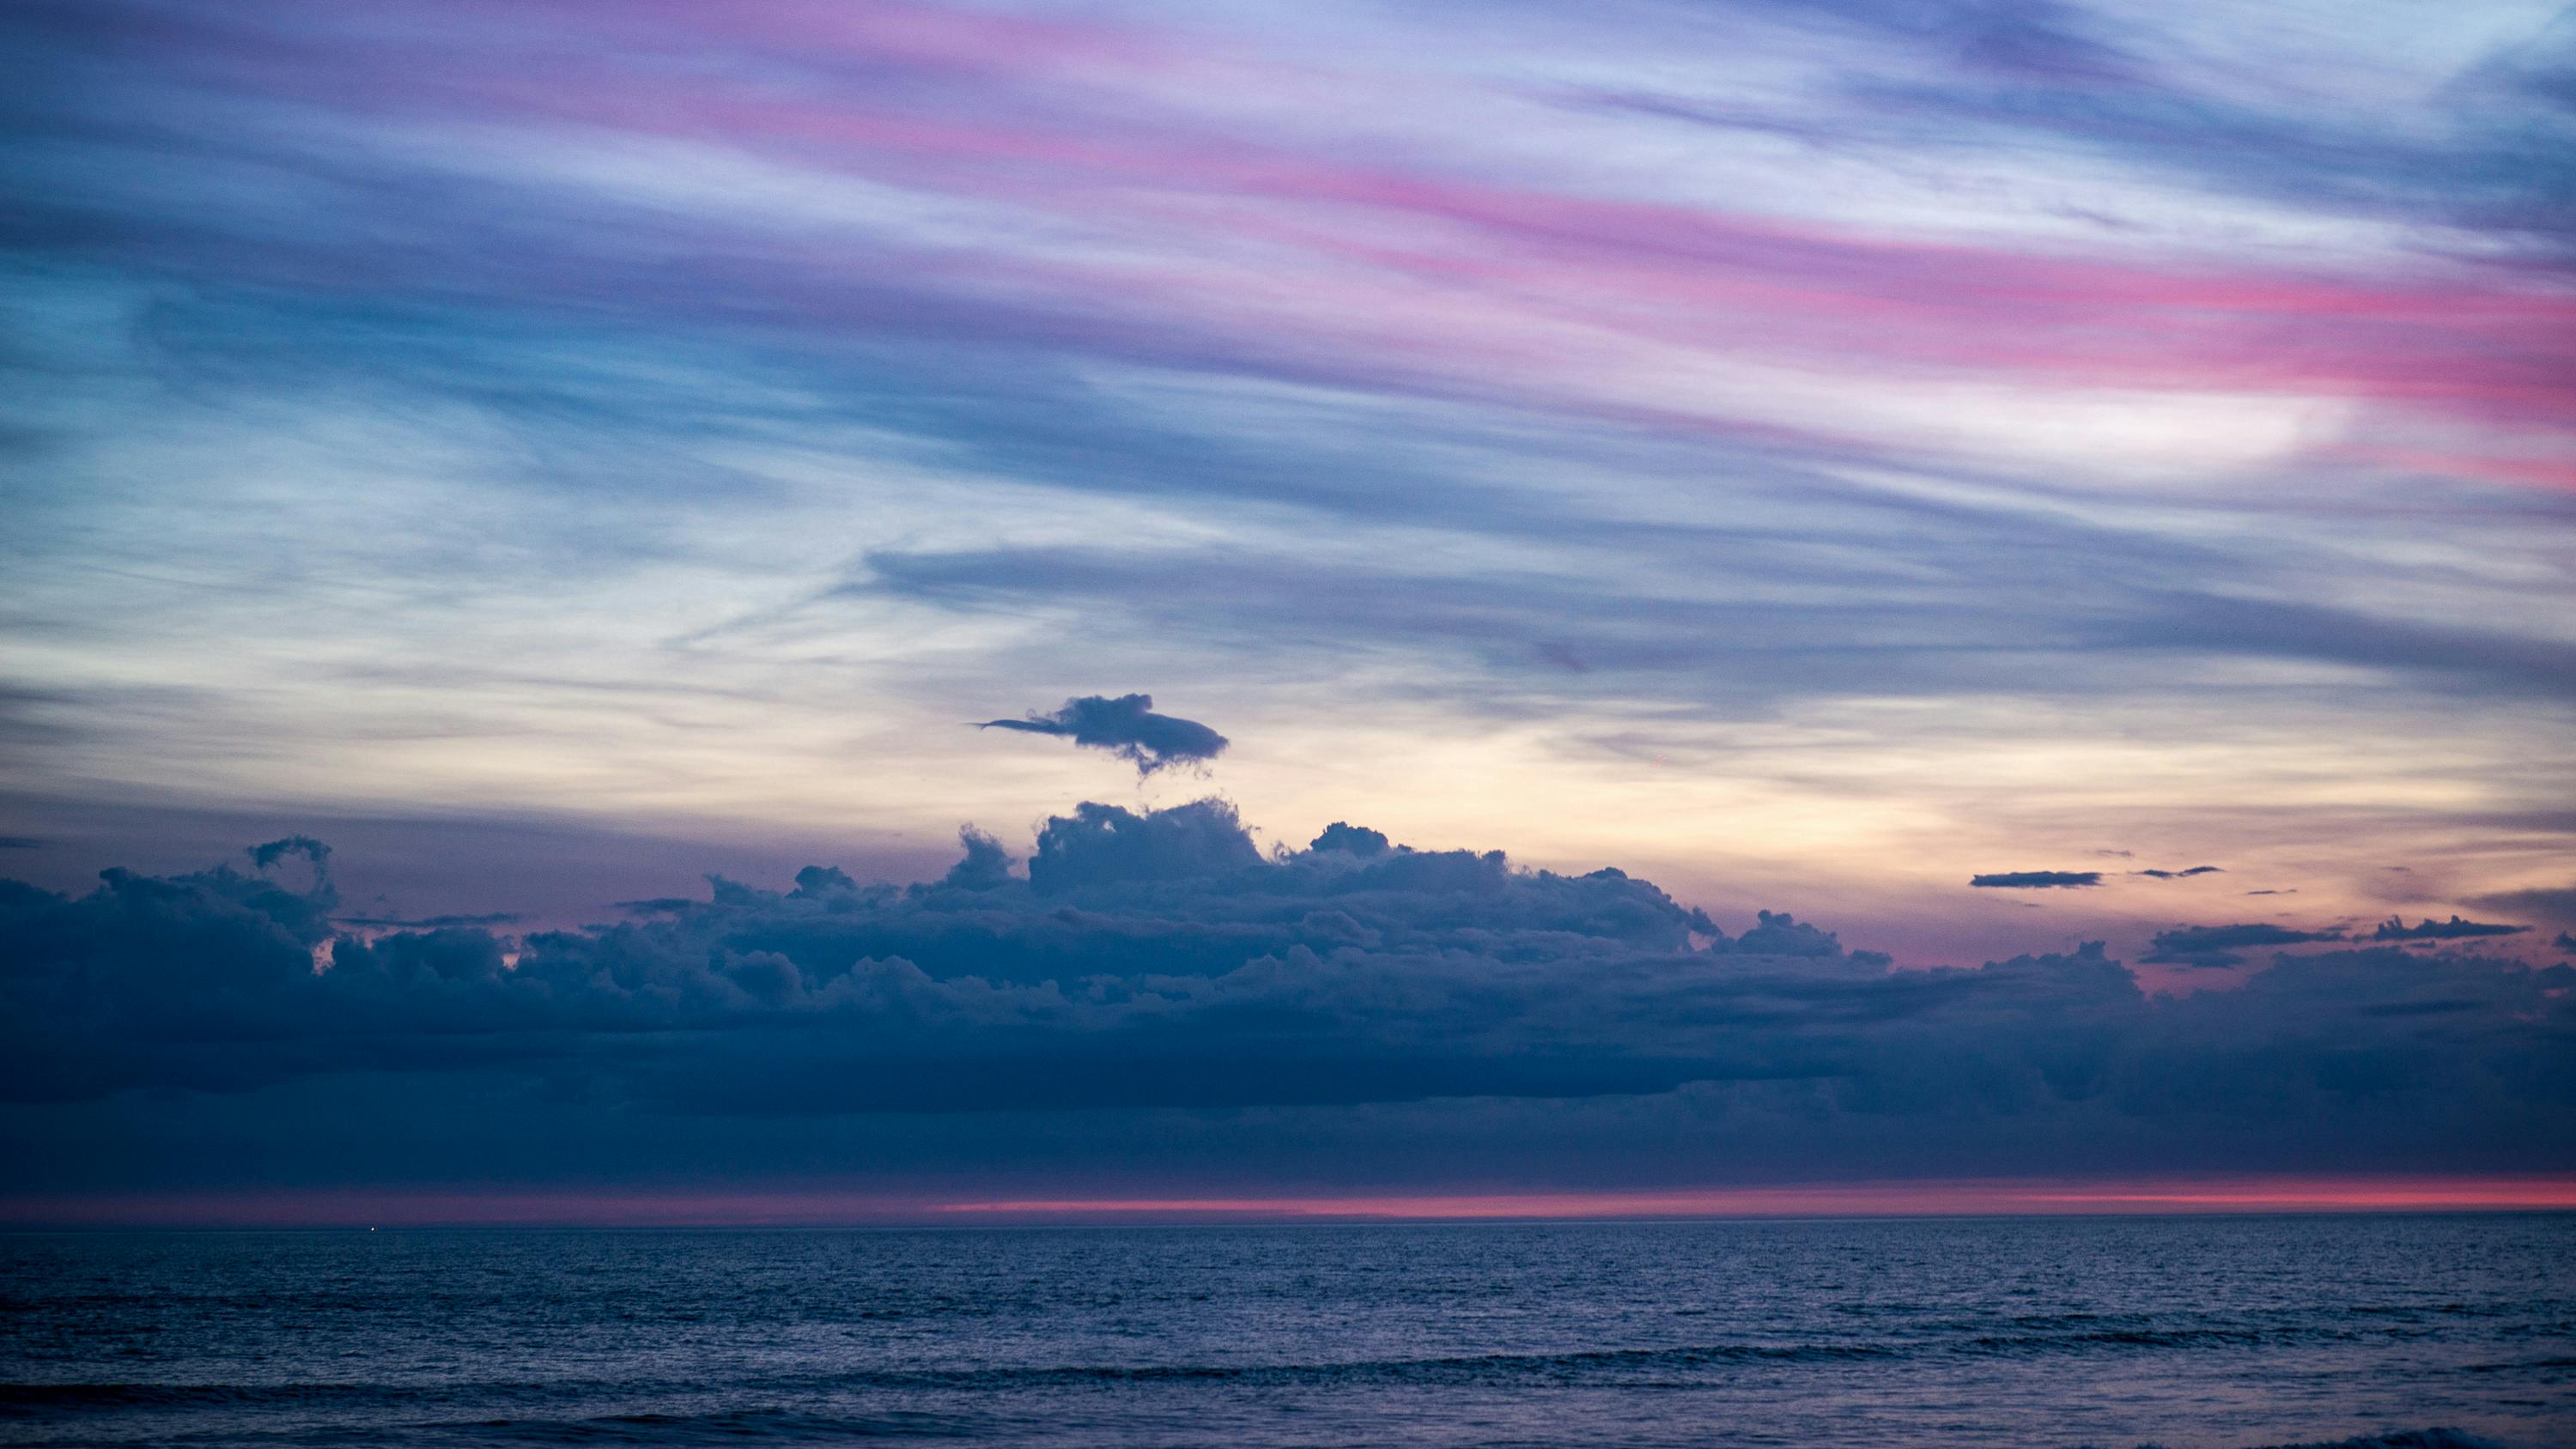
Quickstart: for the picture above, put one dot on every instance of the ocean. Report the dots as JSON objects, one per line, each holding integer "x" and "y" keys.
{"x": 2182, "y": 1332}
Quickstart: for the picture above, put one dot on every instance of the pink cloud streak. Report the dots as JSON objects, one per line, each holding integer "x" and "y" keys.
{"x": 1272, "y": 246}
{"x": 823, "y": 1207}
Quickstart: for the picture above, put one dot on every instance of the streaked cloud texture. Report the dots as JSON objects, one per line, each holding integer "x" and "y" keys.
{"x": 1902, "y": 434}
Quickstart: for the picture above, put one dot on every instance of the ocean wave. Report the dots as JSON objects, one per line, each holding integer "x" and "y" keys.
{"x": 1643, "y": 1366}
{"x": 2119, "y": 1338}
{"x": 737, "y": 1424}
{"x": 2401, "y": 1439}
{"x": 728, "y": 1426}
{"x": 39, "y": 1400}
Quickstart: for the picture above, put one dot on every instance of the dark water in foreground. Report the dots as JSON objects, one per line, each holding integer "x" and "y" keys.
{"x": 2183, "y": 1332}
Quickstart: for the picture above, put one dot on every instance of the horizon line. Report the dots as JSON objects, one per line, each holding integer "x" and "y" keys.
{"x": 826, "y": 1207}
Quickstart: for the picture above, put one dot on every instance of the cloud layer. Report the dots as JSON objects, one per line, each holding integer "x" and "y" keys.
{"x": 1877, "y": 389}
{"x": 1855, "y": 444}
{"x": 1157, "y": 962}
{"x": 2454, "y": 929}
{"x": 2225, "y": 946}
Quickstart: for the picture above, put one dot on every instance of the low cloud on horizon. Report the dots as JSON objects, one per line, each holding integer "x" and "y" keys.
{"x": 1405, "y": 1014}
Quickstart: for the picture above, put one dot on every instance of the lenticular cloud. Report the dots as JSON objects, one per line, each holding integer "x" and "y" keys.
{"x": 1126, "y": 727}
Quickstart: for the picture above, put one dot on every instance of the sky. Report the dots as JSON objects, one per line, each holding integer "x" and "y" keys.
{"x": 2046, "y": 532}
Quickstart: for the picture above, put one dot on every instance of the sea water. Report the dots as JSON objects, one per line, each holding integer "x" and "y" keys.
{"x": 2181, "y": 1332}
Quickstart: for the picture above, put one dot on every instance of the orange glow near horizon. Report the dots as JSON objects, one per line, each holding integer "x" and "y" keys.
{"x": 1880, "y": 1199}
{"x": 816, "y": 1207}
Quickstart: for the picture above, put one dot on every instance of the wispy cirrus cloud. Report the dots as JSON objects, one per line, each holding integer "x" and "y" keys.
{"x": 1370, "y": 265}
{"x": 1737, "y": 364}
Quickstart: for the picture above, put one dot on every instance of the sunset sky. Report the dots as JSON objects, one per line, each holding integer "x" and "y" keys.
{"x": 1808, "y": 457}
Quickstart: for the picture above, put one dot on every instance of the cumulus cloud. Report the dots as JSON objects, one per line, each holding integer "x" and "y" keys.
{"x": 1156, "y": 961}
{"x": 312, "y": 850}
{"x": 2218, "y": 947}
{"x": 2565, "y": 942}
{"x": 1107, "y": 844}
{"x": 984, "y": 866}
{"x": 1777, "y": 933}
{"x": 1126, "y": 727}
{"x": 2036, "y": 879}
{"x": 1154, "y": 956}
{"x": 2428, "y": 929}
{"x": 1351, "y": 839}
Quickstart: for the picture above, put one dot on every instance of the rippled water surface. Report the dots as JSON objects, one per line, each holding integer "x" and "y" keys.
{"x": 2181, "y": 1332}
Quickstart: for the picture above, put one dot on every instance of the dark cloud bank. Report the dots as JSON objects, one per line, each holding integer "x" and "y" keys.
{"x": 1355, "y": 1010}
